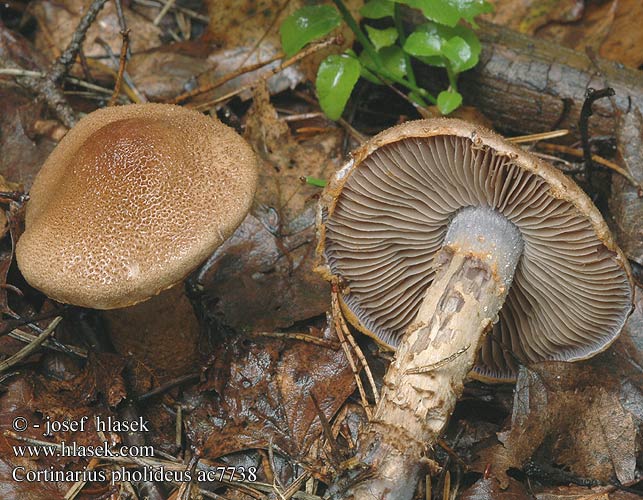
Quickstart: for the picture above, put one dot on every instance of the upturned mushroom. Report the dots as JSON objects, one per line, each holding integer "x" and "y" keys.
{"x": 132, "y": 200}
{"x": 427, "y": 231}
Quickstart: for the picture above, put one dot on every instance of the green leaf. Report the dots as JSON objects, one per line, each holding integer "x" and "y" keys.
{"x": 377, "y": 9}
{"x": 425, "y": 41}
{"x": 458, "y": 52}
{"x": 336, "y": 77}
{"x": 314, "y": 181}
{"x": 381, "y": 38}
{"x": 449, "y": 100}
{"x": 393, "y": 60}
{"x": 307, "y": 24}
{"x": 449, "y": 12}
{"x": 459, "y": 46}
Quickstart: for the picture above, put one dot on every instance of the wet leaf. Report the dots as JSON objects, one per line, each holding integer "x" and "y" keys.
{"x": 448, "y": 101}
{"x": 625, "y": 204}
{"x": 306, "y": 25}
{"x": 489, "y": 489}
{"x": 449, "y": 12}
{"x": 459, "y": 45}
{"x": 527, "y": 16}
{"x": 378, "y": 9}
{"x": 336, "y": 79}
{"x": 258, "y": 390}
{"x": 381, "y": 37}
{"x": 572, "y": 415}
{"x": 274, "y": 247}
{"x": 458, "y": 52}
{"x": 60, "y": 19}
{"x": 16, "y": 401}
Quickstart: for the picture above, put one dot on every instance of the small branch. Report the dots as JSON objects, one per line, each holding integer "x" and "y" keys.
{"x": 62, "y": 66}
{"x": 211, "y": 86}
{"x": 595, "y": 158}
{"x": 311, "y": 49}
{"x": 27, "y": 350}
{"x": 168, "y": 5}
{"x": 122, "y": 61}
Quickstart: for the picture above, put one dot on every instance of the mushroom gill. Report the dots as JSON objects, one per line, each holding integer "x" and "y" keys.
{"x": 569, "y": 298}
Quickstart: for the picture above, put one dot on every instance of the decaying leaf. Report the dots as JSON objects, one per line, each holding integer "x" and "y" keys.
{"x": 182, "y": 64}
{"x": 489, "y": 489}
{"x": 101, "y": 376}
{"x": 584, "y": 493}
{"x": 57, "y": 21}
{"x": 258, "y": 391}
{"x": 247, "y": 33}
{"x": 576, "y": 416}
{"x": 626, "y": 206}
{"x": 15, "y": 402}
{"x": 527, "y": 16}
{"x": 262, "y": 277}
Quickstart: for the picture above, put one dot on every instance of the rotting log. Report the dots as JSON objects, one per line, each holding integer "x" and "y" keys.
{"x": 527, "y": 85}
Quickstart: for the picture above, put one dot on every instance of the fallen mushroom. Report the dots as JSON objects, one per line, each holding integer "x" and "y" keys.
{"x": 428, "y": 230}
{"x": 132, "y": 199}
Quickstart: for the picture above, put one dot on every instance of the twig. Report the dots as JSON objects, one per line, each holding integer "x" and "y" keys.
{"x": 336, "y": 455}
{"x": 167, "y": 386}
{"x": 341, "y": 328}
{"x": 27, "y": 350}
{"x": 122, "y": 61}
{"x": 261, "y": 39}
{"x": 178, "y": 8}
{"x": 542, "y": 136}
{"x": 231, "y": 76}
{"x": 304, "y": 337}
{"x": 130, "y": 88}
{"x": 48, "y": 86}
{"x": 168, "y": 5}
{"x": 37, "y": 74}
{"x": 597, "y": 159}
{"x": 311, "y": 49}
{"x": 178, "y": 440}
{"x": 27, "y": 337}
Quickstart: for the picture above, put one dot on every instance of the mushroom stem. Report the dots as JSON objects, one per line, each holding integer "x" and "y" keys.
{"x": 474, "y": 271}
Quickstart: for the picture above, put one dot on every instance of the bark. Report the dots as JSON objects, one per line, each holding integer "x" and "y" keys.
{"x": 529, "y": 85}
{"x": 424, "y": 382}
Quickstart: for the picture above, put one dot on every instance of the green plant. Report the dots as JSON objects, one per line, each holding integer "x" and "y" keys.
{"x": 386, "y": 52}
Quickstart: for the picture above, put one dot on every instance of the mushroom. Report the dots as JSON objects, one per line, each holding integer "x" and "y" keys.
{"x": 426, "y": 232}
{"x": 131, "y": 200}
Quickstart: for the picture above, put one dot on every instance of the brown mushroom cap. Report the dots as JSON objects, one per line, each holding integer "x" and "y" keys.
{"x": 132, "y": 199}
{"x": 385, "y": 214}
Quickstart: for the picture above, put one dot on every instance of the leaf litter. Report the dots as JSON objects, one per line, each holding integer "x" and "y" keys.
{"x": 263, "y": 400}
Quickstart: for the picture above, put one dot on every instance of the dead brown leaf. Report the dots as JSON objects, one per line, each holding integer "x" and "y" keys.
{"x": 258, "y": 391}
{"x": 262, "y": 278}
{"x": 58, "y": 19}
{"x": 16, "y": 402}
{"x": 625, "y": 204}
{"x": 527, "y": 16}
{"x": 489, "y": 489}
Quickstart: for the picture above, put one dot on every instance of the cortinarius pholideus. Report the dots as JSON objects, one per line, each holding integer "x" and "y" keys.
{"x": 428, "y": 230}
{"x": 132, "y": 199}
